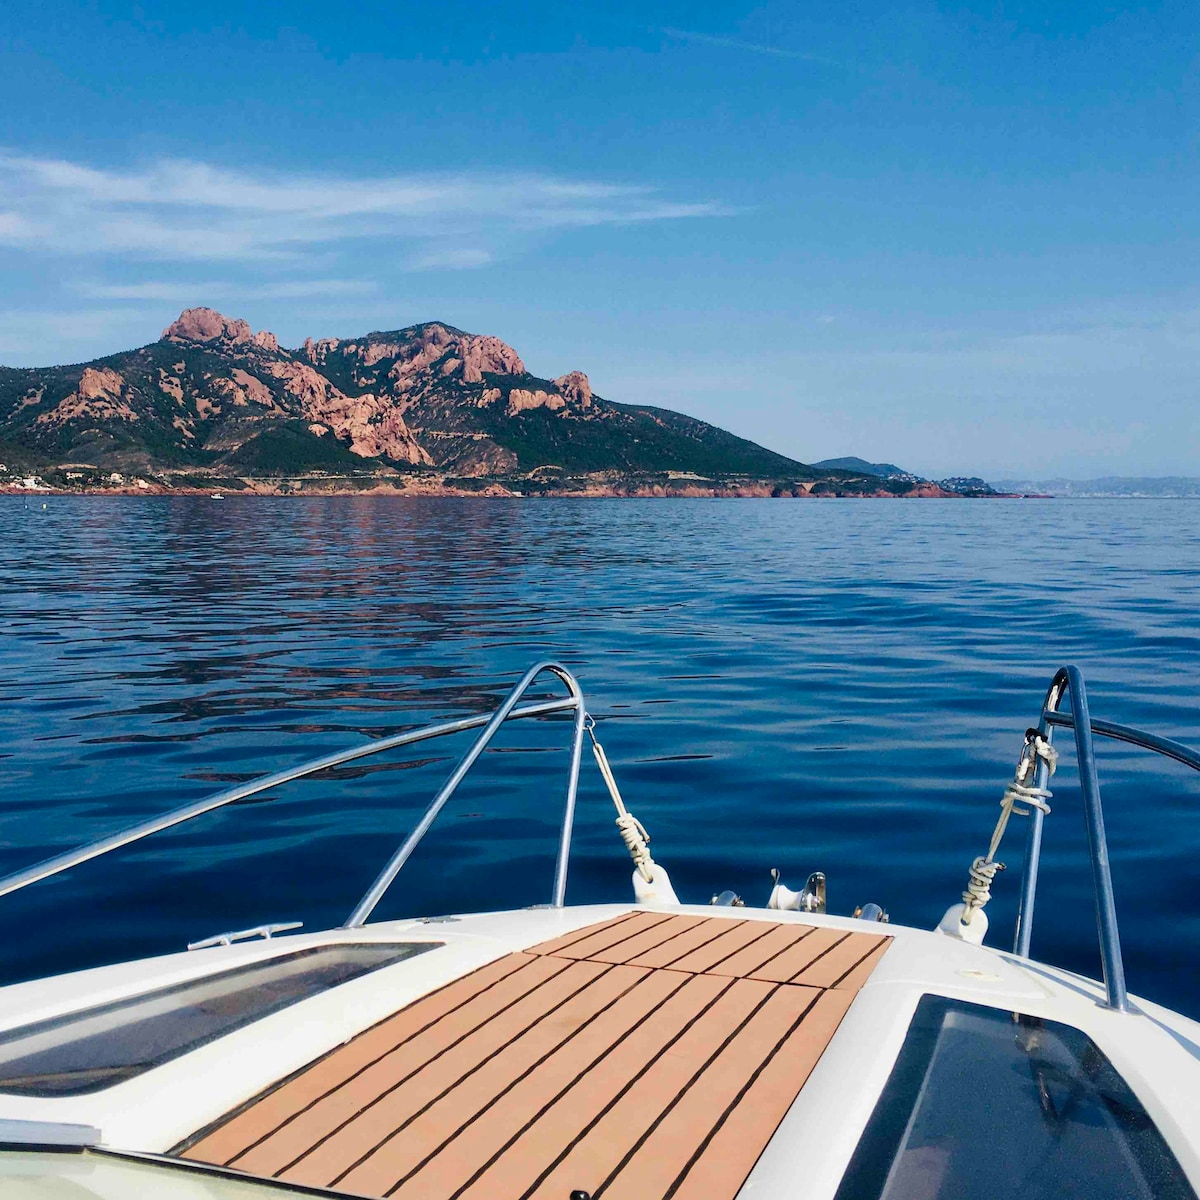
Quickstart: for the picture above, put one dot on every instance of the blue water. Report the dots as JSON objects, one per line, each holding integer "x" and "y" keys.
{"x": 834, "y": 685}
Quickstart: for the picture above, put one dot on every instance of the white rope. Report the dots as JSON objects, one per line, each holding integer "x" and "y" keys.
{"x": 633, "y": 832}
{"x": 1019, "y": 792}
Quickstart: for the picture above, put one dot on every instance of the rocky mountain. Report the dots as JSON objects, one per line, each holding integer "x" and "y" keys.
{"x": 424, "y": 409}
{"x": 211, "y": 395}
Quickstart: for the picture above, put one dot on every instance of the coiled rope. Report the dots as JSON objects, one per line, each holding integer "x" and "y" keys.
{"x": 633, "y": 832}
{"x": 1020, "y": 792}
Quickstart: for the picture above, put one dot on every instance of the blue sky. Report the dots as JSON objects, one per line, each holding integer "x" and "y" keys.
{"x": 957, "y": 237}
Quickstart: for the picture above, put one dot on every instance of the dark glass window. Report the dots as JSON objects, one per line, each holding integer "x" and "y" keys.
{"x": 983, "y": 1102}
{"x": 97, "y": 1047}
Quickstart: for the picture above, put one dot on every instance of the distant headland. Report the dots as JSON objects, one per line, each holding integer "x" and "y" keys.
{"x": 425, "y": 410}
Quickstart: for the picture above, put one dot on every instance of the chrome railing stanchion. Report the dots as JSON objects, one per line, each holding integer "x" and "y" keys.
{"x": 1029, "y": 876}
{"x": 1033, "y": 840}
{"x": 1106, "y": 909}
{"x": 568, "y": 822}
{"x": 1069, "y": 681}
{"x": 391, "y": 868}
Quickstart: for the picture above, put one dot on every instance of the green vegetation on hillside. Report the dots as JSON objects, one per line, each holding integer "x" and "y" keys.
{"x": 290, "y": 449}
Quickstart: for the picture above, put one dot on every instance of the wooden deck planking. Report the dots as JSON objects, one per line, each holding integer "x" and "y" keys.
{"x": 637, "y": 1110}
{"x": 696, "y": 1110}
{"x": 558, "y": 944}
{"x": 855, "y": 978}
{"x": 490, "y": 1129}
{"x": 290, "y": 1100}
{"x": 458, "y": 1089}
{"x": 651, "y": 939}
{"x": 690, "y": 940}
{"x": 835, "y": 963}
{"x": 785, "y": 967}
{"x": 549, "y": 1137}
{"x": 739, "y": 936}
{"x": 746, "y": 962}
{"x": 648, "y": 1051}
{"x": 583, "y": 944}
{"x": 373, "y": 1104}
{"x": 721, "y": 1163}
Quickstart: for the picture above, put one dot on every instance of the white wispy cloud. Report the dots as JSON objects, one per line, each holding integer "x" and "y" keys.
{"x": 179, "y": 210}
{"x": 187, "y": 290}
{"x": 728, "y": 43}
{"x": 451, "y": 258}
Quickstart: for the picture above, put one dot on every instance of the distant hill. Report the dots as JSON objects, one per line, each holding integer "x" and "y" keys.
{"x": 957, "y": 485}
{"x": 860, "y": 465}
{"x": 1119, "y": 486}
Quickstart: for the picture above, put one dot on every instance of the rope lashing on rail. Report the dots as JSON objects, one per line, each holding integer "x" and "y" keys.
{"x": 1021, "y": 791}
{"x": 633, "y": 832}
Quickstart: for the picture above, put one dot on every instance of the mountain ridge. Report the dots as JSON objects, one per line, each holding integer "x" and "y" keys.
{"x": 425, "y": 406}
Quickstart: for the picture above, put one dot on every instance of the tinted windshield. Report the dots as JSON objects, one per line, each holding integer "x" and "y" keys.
{"x": 985, "y": 1103}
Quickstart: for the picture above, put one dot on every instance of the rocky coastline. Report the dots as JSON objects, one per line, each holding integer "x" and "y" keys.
{"x": 419, "y": 486}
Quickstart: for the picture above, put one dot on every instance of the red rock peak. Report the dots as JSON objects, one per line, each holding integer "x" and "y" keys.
{"x": 575, "y": 386}
{"x": 208, "y": 325}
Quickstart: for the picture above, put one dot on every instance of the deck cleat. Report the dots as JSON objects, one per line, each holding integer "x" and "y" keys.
{"x": 871, "y": 912}
{"x": 810, "y": 899}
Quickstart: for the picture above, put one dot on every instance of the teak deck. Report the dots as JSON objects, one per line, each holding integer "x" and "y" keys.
{"x": 644, "y": 1058}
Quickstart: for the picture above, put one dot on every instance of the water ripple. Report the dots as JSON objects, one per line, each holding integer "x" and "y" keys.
{"x": 838, "y": 685}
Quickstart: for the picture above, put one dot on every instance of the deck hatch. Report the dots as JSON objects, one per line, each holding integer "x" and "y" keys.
{"x": 97, "y": 1047}
{"x": 982, "y": 1101}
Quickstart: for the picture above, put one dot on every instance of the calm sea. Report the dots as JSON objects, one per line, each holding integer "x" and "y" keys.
{"x": 833, "y": 685}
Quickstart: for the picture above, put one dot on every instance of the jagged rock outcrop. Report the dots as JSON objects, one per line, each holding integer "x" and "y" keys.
{"x": 372, "y": 425}
{"x": 575, "y": 386}
{"x": 98, "y": 397}
{"x": 520, "y": 400}
{"x": 207, "y": 325}
{"x": 480, "y": 354}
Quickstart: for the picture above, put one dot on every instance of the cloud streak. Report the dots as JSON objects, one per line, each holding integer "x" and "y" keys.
{"x": 728, "y": 43}
{"x": 184, "y": 290}
{"x": 176, "y": 210}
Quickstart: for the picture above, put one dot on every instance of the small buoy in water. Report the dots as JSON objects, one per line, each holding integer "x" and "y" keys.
{"x": 43, "y": 505}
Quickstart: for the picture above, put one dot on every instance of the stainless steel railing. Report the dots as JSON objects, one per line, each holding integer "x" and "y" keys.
{"x": 508, "y": 711}
{"x": 1068, "y": 683}
{"x": 375, "y": 892}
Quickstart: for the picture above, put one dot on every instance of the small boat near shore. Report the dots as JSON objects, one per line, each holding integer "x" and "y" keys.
{"x": 642, "y": 1049}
